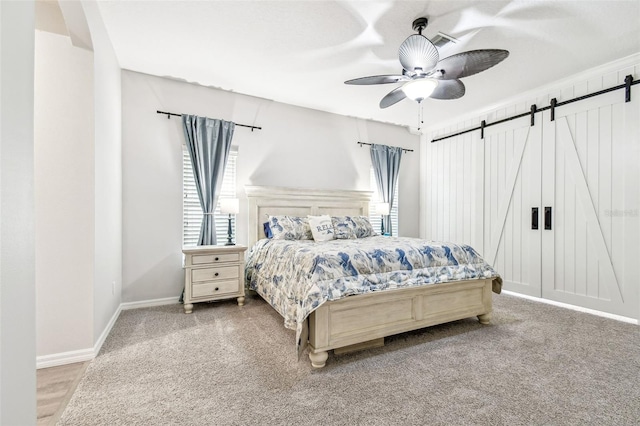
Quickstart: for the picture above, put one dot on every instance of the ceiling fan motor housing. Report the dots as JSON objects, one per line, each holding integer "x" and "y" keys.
{"x": 420, "y": 24}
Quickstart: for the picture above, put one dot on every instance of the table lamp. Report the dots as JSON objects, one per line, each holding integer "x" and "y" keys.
{"x": 383, "y": 210}
{"x": 229, "y": 206}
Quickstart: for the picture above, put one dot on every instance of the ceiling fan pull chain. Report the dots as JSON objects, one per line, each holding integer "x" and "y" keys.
{"x": 420, "y": 116}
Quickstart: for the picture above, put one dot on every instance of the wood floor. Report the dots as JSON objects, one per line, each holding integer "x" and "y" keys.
{"x": 55, "y": 387}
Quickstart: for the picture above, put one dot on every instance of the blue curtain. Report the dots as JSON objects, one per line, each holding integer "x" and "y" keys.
{"x": 386, "y": 164}
{"x": 209, "y": 143}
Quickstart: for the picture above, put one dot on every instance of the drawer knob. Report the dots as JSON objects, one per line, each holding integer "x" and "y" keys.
{"x": 217, "y": 258}
{"x": 216, "y": 274}
{"x": 217, "y": 288}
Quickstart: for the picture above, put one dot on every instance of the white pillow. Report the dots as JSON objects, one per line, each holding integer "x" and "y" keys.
{"x": 321, "y": 228}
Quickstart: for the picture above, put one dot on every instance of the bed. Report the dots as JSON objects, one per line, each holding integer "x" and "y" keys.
{"x": 400, "y": 284}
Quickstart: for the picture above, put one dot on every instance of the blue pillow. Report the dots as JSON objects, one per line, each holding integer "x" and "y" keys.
{"x": 349, "y": 227}
{"x": 290, "y": 228}
{"x": 267, "y": 230}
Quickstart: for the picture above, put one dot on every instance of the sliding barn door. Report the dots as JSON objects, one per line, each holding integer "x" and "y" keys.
{"x": 554, "y": 207}
{"x": 512, "y": 187}
{"x": 582, "y": 174}
{"x": 590, "y": 180}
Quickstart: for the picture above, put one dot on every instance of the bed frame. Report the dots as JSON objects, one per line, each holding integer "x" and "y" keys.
{"x": 362, "y": 321}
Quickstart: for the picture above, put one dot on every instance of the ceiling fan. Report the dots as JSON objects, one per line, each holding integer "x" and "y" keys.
{"x": 425, "y": 75}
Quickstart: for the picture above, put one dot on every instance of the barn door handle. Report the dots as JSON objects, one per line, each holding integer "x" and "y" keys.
{"x": 547, "y": 218}
{"x": 534, "y": 218}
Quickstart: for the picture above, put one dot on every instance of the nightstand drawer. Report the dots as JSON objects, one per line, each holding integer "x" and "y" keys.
{"x": 214, "y": 288}
{"x": 215, "y": 273}
{"x": 200, "y": 259}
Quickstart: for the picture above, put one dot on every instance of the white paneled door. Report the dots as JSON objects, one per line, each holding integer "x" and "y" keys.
{"x": 582, "y": 174}
{"x": 590, "y": 257}
{"x": 512, "y": 164}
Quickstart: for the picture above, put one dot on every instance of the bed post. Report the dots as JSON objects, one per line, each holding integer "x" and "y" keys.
{"x": 318, "y": 359}
{"x": 485, "y": 318}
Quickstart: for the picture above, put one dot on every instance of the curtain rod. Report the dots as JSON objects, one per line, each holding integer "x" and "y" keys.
{"x": 628, "y": 82}
{"x": 169, "y": 114}
{"x": 365, "y": 143}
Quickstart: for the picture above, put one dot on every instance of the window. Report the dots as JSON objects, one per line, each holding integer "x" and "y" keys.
{"x": 191, "y": 211}
{"x": 374, "y": 217}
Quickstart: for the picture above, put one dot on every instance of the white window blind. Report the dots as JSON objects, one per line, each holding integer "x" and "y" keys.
{"x": 374, "y": 217}
{"x": 191, "y": 211}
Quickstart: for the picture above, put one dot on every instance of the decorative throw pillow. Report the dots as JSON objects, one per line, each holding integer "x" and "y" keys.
{"x": 267, "y": 230}
{"x": 363, "y": 227}
{"x": 290, "y": 228}
{"x": 321, "y": 228}
{"x": 350, "y": 227}
{"x": 344, "y": 227}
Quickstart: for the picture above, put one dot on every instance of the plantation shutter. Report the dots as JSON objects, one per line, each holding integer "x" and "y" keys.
{"x": 191, "y": 211}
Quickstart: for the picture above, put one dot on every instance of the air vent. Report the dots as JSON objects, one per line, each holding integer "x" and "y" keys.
{"x": 441, "y": 39}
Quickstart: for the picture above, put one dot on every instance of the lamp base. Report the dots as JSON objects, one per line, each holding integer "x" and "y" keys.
{"x": 229, "y": 237}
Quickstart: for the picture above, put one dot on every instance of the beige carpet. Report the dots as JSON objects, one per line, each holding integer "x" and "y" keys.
{"x": 223, "y": 365}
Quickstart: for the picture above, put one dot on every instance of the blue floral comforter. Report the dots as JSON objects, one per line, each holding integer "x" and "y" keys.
{"x": 296, "y": 277}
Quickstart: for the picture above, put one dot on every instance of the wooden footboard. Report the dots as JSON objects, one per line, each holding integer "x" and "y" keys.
{"x": 372, "y": 316}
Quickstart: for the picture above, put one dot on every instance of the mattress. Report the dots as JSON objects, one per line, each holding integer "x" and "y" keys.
{"x": 298, "y": 276}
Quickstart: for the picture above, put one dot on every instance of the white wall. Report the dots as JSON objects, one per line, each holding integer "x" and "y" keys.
{"x": 297, "y": 147}
{"x": 64, "y": 194}
{"x": 78, "y": 189}
{"x": 17, "y": 264}
{"x": 108, "y": 185}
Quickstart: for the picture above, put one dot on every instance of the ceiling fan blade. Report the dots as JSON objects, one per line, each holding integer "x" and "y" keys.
{"x": 377, "y": 79}
{"x": 448, "y": 89}
{"x": 469, "y": 63}
{"x": 418, "y": 53}
{"x": 393, "y": 97}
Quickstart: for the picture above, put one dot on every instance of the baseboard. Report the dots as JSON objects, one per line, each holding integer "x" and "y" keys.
{"x": 103, "y": 336}
{"x": 63, "y": 358}
{"x": 149, "y": 303}
{"x": 573, "y": 307}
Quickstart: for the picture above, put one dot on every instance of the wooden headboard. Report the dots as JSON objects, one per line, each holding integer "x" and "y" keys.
{"x": 265, "y": 201}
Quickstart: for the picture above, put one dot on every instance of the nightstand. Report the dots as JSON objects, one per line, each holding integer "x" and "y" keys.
{"x": 213, "y": 273}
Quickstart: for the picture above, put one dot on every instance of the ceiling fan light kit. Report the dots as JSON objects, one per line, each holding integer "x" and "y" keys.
{"x": 425, "y": 75}
{"x": 420, "y": 89}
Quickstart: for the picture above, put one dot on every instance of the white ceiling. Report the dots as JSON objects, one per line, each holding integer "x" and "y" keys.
{"x": 301, "y": 52}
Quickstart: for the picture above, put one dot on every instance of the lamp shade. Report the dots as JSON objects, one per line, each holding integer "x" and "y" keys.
{"x": 420, "y": 89}
{"x": 383, "y": 209}
{"x": 229, "y": 205}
